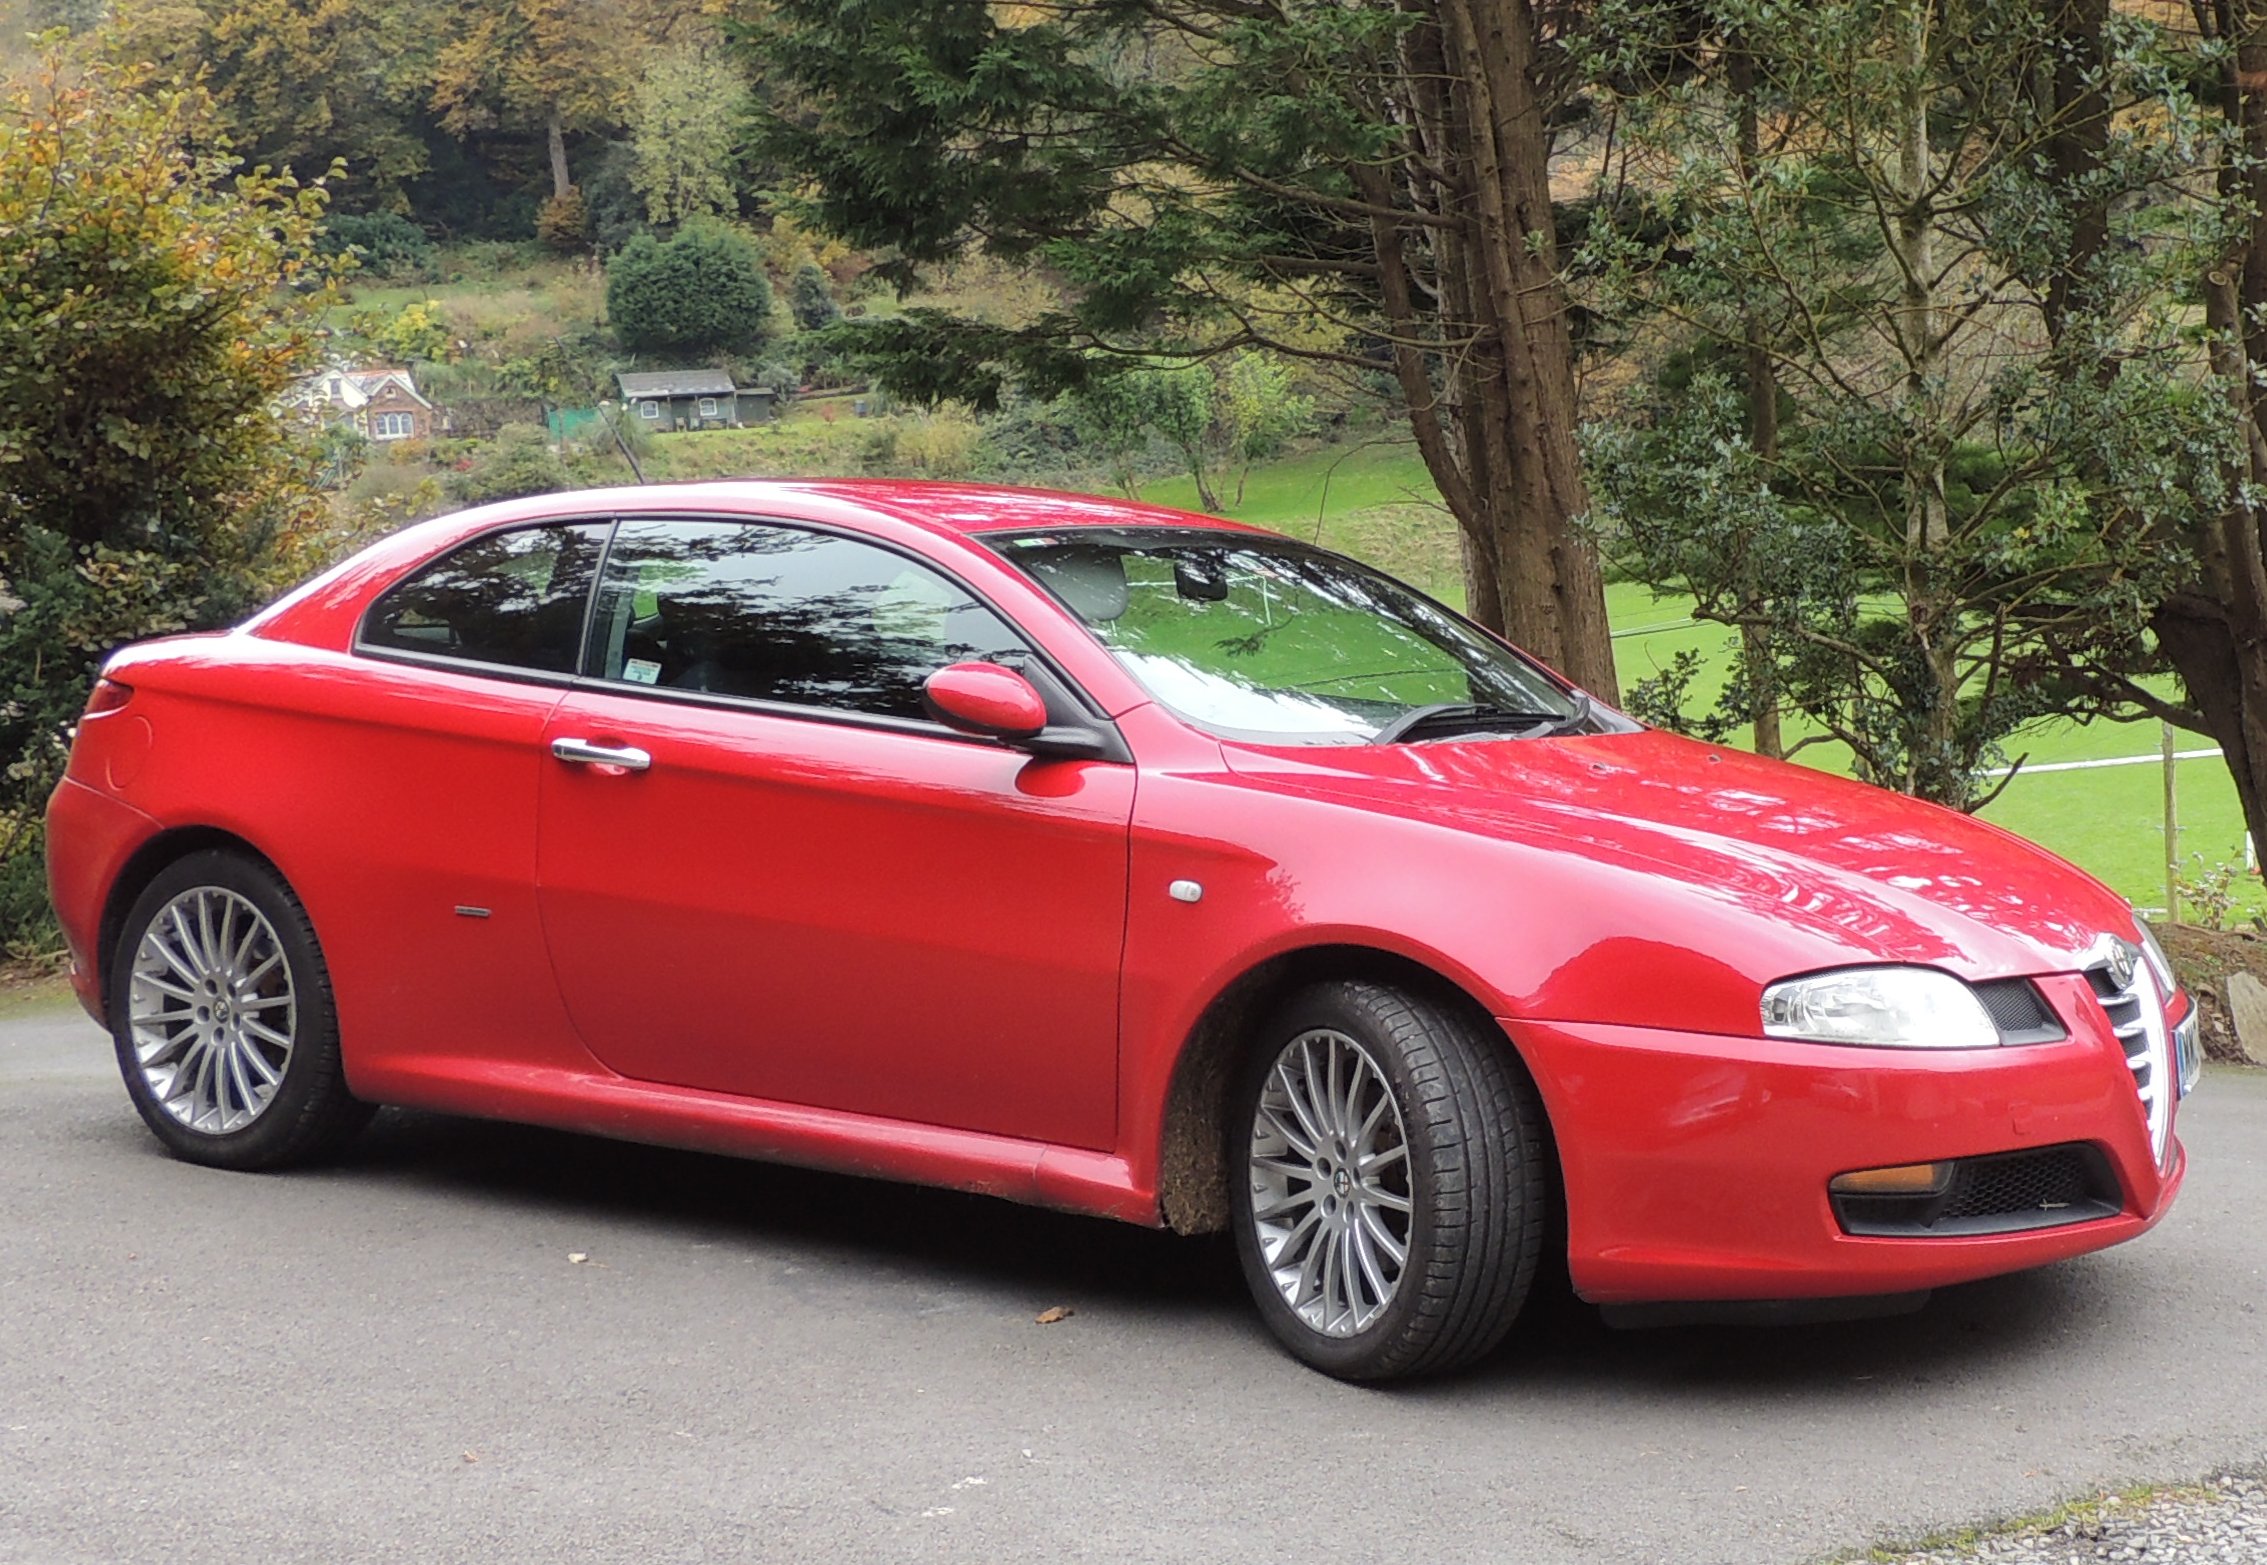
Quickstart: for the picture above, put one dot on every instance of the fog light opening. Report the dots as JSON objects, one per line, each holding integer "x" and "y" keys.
{"x": 1903, "y": 1179}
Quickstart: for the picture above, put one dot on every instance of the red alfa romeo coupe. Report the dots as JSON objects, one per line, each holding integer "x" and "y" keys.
{"x": 1110, "y": 858}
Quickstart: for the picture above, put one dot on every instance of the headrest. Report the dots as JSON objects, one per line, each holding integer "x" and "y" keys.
{"x": 1091, "y": 580}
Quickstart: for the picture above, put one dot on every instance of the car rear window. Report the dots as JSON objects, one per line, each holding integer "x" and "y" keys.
{"x": 510, "y": 599}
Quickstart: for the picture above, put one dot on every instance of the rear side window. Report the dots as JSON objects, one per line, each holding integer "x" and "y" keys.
{"x": 778, "y": 614}
{"x": 514, "y": 599}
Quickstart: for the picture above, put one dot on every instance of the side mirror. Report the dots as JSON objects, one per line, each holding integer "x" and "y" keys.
{"x": 985, "y": 699}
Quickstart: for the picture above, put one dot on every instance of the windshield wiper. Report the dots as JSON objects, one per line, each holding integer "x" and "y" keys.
{"x": 1454, "y": 717}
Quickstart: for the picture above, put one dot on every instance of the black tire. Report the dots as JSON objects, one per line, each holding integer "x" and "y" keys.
{"x": 309, "y": 1113}
{"x": 1475, "y": 1151}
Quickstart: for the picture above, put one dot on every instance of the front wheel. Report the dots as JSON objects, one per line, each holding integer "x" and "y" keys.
{"x": 1391, "y": 1196}
{"x": 220, "y": 1008}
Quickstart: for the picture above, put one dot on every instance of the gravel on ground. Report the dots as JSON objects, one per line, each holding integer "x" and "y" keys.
{"x": 2222, "y": 1521}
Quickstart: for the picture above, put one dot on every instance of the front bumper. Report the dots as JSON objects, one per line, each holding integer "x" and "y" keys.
{"x": 1697, "y": 1165}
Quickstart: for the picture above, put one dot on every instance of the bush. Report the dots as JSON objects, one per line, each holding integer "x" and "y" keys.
{"x": 562, "y": 222}
{"x": 519, "y": 461}
{"x": 155, "y": 309}
{"x": 415, "y": 332}
{"x": 701, "y": 293}
{"x": 939, "y": 444}
{"x": 383, "y": 244}
{"x": 812, "y": 300}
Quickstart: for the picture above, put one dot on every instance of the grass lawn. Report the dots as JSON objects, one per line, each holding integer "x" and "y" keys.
{"x": 1376, "y": 502}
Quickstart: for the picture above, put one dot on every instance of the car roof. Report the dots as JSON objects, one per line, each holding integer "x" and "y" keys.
{"x": 982, "y": 508}
{"x": 941, "y": 505}
{"x": 317, "y": 611}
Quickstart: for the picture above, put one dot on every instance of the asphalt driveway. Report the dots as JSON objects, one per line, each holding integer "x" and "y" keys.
{"x": 397, "y": 1359}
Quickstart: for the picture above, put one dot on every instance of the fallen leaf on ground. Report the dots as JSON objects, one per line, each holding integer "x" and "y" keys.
{"x": 1048, "y": 1317}
{"x": 577, "y": 1258}
{"x": 472, "y": 1456}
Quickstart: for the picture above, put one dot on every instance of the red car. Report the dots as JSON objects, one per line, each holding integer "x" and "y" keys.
{"x": 1109, "y": 858}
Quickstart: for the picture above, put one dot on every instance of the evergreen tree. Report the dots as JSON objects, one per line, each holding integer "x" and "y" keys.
{"x": 700, "y": 293}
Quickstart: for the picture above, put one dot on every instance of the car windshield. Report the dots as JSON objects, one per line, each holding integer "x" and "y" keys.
{"x": 1260, "y": 637}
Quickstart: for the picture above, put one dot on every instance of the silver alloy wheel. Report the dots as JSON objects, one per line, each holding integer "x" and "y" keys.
{"x": 213, "y": 1009}
{"x": 1329, "y": 1177}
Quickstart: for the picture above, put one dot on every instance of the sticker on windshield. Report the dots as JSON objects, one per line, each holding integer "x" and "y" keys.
{"x": 641, "y": 671}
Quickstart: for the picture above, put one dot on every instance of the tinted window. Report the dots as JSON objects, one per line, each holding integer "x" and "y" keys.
{"x": 515, "y": 598}
{"x": 778, "y": 614}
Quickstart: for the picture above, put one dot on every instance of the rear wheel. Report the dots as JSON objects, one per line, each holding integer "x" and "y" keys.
{"x": 220, "y": 1008}
{"x": 1391, "y": 1199}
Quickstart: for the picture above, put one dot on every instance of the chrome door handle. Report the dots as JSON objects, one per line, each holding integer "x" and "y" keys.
{"x": 628, "y": 757}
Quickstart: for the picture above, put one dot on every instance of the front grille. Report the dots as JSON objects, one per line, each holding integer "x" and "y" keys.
{"x": 2136, "y": 1012}
{"x": 2007, "y": 1192}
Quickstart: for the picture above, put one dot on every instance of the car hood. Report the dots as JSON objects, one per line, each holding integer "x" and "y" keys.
{"x": 1863, "y": 874}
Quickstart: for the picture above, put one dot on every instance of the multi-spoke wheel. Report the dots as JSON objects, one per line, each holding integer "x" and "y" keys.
{"x": 221, "y": 1010}
{"x": 1391, "y": 1200}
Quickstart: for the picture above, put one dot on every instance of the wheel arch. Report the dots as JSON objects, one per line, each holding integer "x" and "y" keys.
{"x": 1193, "y": 1162}
{"x": 144, "y": 865}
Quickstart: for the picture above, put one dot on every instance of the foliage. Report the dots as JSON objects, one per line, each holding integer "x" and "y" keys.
{"x": 701, "y": 292}
{"x": 1205, "y": 413}
{"x": 2207, "y": 892}
{"x": 301, "y": 84}
{"x": 563, "y": 222}
{"x": 416, "y": 331}
{"x": 1258, "y": 412}
{"x": 519, "y": 461}
{"x": 1984, "y": 421}
{"x": 941, "y": 443}
{"x": 383, "y": 244}
{"x": 1208, "y": 175}
{"x": 548, "y": 66}
{"x": 684, "y": 130}
{"x": 614, "y": 210}
{"x": 156, "y": 303}
{"x": 811, "y": 298}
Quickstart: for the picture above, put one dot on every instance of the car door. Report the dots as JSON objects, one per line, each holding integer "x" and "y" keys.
{"x": 415, "y": 793}
{"x": 799, "y": 888}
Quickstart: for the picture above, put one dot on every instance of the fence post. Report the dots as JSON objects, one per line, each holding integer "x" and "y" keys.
{"x": 2172, "y": 830}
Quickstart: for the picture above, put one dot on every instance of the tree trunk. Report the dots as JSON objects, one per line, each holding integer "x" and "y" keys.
{"x": 1762, "y": 373}
{"x": 1934, "y": 766}
{"x": 2215, "y": 636}
{"x": 2082, "y": 120}
{"x": 561, "y": 184}
{"x": 1495, "y": 419}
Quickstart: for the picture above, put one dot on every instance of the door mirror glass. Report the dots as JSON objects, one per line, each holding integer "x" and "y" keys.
{"x": 986, "y": 699}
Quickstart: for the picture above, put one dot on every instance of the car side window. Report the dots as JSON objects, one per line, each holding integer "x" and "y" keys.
{"x": 511, "y": 598}
{"x": 781, "y": 614}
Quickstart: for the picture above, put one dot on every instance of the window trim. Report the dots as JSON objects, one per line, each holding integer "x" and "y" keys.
{"x": 383, "y": 427}
{"x": 1089, "y": 710}
{"x": 649, "y": 407}
{"x": 707, "y": 407}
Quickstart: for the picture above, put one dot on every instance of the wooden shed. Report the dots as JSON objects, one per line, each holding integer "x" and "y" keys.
{"x": 691, "y": 399}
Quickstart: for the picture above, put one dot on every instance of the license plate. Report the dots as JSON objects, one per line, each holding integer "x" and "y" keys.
{"x": 2188, "y": 1052}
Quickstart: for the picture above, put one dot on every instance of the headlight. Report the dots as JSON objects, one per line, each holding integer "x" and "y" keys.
{"x": 1888, "y": 1007}
{"x": 2159, "y": 963}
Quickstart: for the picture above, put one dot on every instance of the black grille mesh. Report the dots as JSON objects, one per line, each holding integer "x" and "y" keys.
{"x": 2018, "y": 1011}
{"x": 2029, "y": 1182}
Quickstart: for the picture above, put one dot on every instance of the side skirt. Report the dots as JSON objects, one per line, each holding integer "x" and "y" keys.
{"x": 1032, "y": 1172}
